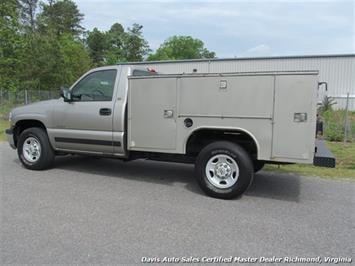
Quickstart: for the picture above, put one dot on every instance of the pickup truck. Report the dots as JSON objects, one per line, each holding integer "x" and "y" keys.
{"x": 228, "y": 124}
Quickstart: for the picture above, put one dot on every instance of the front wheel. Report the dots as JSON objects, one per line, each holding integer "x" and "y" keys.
{"x": 34, "y": 149}
{"x": 224, "y": 170}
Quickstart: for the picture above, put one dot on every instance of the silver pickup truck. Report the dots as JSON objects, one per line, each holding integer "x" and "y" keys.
{"x": 228, "y": 124}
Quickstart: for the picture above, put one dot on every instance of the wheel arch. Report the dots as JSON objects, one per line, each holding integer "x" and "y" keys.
{"x": 210, "y": 134}
{"x": 24, "y": 124}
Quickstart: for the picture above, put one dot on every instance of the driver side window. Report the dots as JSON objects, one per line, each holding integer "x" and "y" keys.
{"x": 97, "y": 86}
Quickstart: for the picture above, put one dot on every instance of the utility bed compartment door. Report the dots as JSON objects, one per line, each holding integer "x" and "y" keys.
{"x": 294, "y": 117}
{"x": 243, "y": 96}
{"x": 152, "y": 114}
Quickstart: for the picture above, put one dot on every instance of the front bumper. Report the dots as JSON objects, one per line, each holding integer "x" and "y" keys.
{"x": 323, "y": 156}
{"x": 10, "y": 137}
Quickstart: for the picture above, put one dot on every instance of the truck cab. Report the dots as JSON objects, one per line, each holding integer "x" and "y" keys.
{"x": 88, "y": 118}
{"x": 91, "y": 119}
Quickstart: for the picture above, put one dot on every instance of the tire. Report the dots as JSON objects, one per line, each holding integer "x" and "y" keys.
{"x": 224, "y": 170}
{"x": 258, "y": 165}
{"x": 37, "y": 153}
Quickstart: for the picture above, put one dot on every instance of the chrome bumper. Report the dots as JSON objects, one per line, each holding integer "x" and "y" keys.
{"x": 10, "y": 137}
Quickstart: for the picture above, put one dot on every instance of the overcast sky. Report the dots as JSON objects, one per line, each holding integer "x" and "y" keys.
{"x": 236, "y": 28}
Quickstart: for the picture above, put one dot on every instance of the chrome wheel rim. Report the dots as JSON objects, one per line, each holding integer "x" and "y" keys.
{"x": 31, "y": 149}
{"x": 222, "y": 171}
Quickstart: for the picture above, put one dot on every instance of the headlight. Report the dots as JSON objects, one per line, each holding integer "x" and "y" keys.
{"x": 10, "y": 116}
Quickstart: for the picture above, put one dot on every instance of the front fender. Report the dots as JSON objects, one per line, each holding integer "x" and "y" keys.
{"x": 36, "y": 117}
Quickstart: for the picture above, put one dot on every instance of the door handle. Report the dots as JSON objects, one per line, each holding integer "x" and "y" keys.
{"x": 105, "y": 111}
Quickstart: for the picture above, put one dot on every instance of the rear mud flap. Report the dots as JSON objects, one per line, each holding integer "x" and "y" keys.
{"x": 323, "y": 156}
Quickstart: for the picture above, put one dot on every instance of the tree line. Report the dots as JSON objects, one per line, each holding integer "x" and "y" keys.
{"x": 43, "y": 45}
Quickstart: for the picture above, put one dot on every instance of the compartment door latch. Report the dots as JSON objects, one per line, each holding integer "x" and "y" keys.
{"x": 168, "y": 113}
{"x": 299, "y": 117}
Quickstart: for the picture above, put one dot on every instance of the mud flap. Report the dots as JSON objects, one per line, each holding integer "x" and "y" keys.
{"x": 323, "y": 156}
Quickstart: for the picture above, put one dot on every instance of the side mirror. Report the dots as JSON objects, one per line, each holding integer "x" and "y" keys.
{"x": 65, "y": 93}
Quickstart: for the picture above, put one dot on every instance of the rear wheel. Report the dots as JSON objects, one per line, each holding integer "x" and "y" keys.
{"x": 34, "y": 149}
{"x": 224, "y": 170}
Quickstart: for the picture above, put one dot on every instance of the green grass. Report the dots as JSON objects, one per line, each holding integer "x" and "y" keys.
{"x": 5, "y": 109}
{"x": 345, "y": 164}
{"x": 4, "y": 124}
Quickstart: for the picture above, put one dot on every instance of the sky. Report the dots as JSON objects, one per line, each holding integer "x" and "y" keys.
{"x": 235, "y": 28}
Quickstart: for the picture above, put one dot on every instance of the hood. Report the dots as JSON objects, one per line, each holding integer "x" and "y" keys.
{"x": 37, "y": 107}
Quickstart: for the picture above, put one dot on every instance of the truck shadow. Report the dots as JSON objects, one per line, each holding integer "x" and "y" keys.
{"x": 274, "y": 185}
{"x": 265, "y": 185}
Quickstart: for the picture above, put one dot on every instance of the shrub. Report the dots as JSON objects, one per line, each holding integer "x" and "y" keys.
{"x": 333, "y": 121}
{"x": 327, "y": 104}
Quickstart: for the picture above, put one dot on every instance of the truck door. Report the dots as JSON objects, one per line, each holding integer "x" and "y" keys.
{"x": 85, "y": 124}
{"x": 294, "y": 117}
